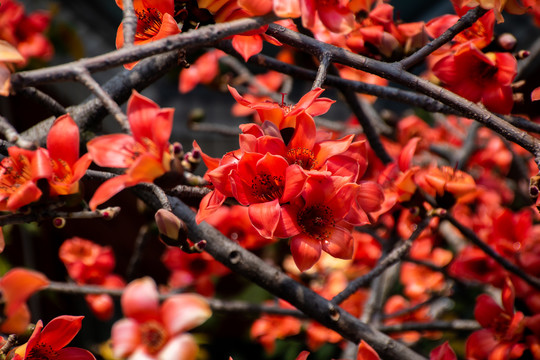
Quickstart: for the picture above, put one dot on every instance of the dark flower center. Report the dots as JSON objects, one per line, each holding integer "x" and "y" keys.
{"x": 303, "y": 157}
{"x": 42, "y": 351}
{"x": 315, "y": 221}
{"x": 153, "y": 336}
{"x": 149, "y": 23}
{"x": 267, "y": 187}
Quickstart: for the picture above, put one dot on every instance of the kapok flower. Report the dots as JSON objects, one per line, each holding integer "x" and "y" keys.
{"x": 284, "y": 115}
{"x": 145, "y": 154}
{"x": 263, "y": 182}
{"x": 503, "y": 328}
{"x": 154, "y": 331}
{"x": 25, "y": 32}
{"x": 479, "y": 77}
{"x": 314, "y": 221}
{"x": 19, "y": 174}
{"x": 63, "y": 147}
{"x": 90, "y": 263}
{"x": 16, "y": 286}
{"x": 155, "y": 20}
{"x": 48, "y": 343}
{"x": 446, "y": 184}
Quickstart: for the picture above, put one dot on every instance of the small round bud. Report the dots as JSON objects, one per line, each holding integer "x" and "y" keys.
{"x": 59, "y": 222}
{"x": 507, "y": 41}
{"x": 177, "y": 149}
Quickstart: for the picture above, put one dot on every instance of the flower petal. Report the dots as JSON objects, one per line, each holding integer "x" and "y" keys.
{"x": 140, "y": 300}
{"x": 110, "y": 150}
{"x": 63, "y": 140}
{"x": 60, "y": 331}
{"x": 73, "y": 353}
{"x": 107, "y": 190}
{"x": 181, "y": 347}
{"x": 247, "y": 46}
{"x": 183, "y": 312}
{"x": 125, "y": 337}
{"x": 305, "y": 250}
{"x": 265, "y": 217}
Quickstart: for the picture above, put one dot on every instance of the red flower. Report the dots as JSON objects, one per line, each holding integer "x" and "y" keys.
{"x": 25, "y": 32}
{"x": 19, "y": 174}
{"x": 263, "y": 182}
{"x": 479, "y": 77}
{"x": 314, "y": 221}
{"x": 154, "y": 331}
{"x": 155, "y": 20}
{"x": 63, "y": 147}
{"x": 502, "y": 331}
{"x": 146, "y": 154}
{"x": 90, "y": 263}
{"x": 48, "y": 343}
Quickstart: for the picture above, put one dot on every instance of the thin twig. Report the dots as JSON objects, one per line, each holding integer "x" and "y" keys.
{"x": 463, "y": 23}
{"x": 129, "y": 22}
{"x": 12, "y": 136}
{"x": 85, "y": 78}
{"x": 216, "y": 304}
{"x": 384, "y": 92}
{"x": 471, "y": 235}
{"x": 136, "y": 255}
{"x": 325, "y": 60}
{"x": 432, "y": 325}
{"x": 396, "y": 255}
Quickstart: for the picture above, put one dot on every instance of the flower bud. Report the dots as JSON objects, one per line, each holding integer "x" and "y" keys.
{"x": 172, "y": 230}
{"x": 59, "y": 222}
{"x": 507, "y": 41}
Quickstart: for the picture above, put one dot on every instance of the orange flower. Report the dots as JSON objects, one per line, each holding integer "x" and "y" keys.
{"x": 446, "y": 184}
{"x": 19, "y": 174}
{"x": 155, "y": 20}
{"x": 146, "y": 154}
{"x": 284, "y": 115}
{"x": 16, "y": 286}
{"x": 479, "y": 77}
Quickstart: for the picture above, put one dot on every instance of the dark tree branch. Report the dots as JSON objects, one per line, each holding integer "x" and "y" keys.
{"x": 270, "y": 278}
{"x": 394, "y": 72}
{"x": 204, "y": 36}
{"x": 129, "y": 22}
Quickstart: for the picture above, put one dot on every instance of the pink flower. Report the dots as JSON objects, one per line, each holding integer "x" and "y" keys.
{"x": 154, "y": 331}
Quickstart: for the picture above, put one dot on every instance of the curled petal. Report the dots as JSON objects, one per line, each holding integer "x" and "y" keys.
{"x": 73, "y": 353}
{"x": 18, "y": 285}
{"x": 340, "y": 243}
{"x": 107, "y": 190}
